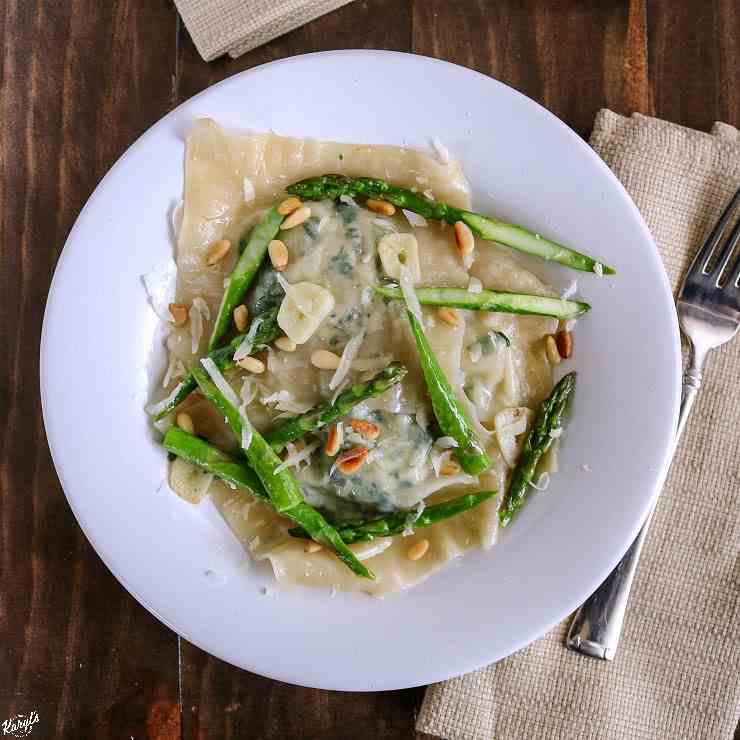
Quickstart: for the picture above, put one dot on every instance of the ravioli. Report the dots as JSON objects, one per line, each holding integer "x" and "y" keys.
{"x": 337, "y": 248}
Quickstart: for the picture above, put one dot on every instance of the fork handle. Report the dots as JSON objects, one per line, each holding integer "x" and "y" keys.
{"x": 597, "y": 625}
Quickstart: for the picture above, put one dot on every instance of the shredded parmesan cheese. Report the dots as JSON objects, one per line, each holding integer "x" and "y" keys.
{"x": 407, "y": 288}
{"x": 219, "y": 381}
{"x": 556, "y": 433}
{"x": 415, "y": 219}
{"x": 571, "y": 290}
{"x": 294, "y": 459}
{"x": 445, "y": 443}
{"x": 599, "y": 269}
{"x": 249, "y": 192}
{"x": 542, "y": 482}
{"x": 345, "y": 362}
{"x": 247, "y": 344}
{"x": 412, "y": 518}
{"x": 349, "y": 200}
{"x": 155, "y": 408}
{"x": 176, "y": 218}
{"x": 198, "y": 312}
{"x": 475, "y": 285}
{"x": 443, "y": 154}
{"x": 160, "y": 284}
{"x": 175, "y": 369}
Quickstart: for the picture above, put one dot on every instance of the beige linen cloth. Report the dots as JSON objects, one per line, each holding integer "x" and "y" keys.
{"x": 677, "y": 672}
{"x": 235, "y": 26}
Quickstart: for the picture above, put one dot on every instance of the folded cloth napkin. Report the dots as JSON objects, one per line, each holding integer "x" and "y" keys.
{"x": 677, "y": 672}
{"x": 235, "y": 26}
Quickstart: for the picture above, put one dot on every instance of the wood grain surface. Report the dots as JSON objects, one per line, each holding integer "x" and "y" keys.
{"x": 79, "y": 81}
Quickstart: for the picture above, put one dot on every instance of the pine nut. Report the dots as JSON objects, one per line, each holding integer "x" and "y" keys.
{"x": 252, "y": 365}
{"x": 289, "y": 205}
{"x": 241, "y": 315}
{"x": 185, "y": 422}
{"x": 551, "y": 350}
{"x": 564, "y": 343}
{"x": 351, "y": 461}
{"x": 418, "y": 550}
{"x": 311, "y": 547}
{"x": 464, "y": 238}
{"x": 365, "y": 429}
{"x": 278, "y": 254}
{"x": 179, "y": 313}
{"x": 286, "y": 344}
{"x": 218, "y": 251}
{"x": 334, "y": 441}
{"x": 450, "y": 467}
{"x": 449, "y": 316}
{"x": 381, "y": 206}
{"x": 296, "y": 218}
{"x": 325, "y": 360}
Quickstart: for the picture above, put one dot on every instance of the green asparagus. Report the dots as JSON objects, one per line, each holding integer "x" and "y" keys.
{"x": 451, "y": 416}
{"x": 397, "y": 523}
{"x": 490, "y": 229}
{"x": 549, "y": 417}
{"x": 328, "y": 413}
{"x": 493, "y": 301}
{"x": 281, "y": 486}
{"x": 212, "y": 460}
{"x": 243, "y": 274}
{"x": 265, "y": 330}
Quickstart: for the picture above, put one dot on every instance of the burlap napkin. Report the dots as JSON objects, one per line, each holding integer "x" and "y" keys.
{"x": 677, "y": 673}
{"x": 235, "y": 26}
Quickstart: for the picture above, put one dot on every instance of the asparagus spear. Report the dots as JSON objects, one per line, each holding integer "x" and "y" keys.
{"x": 281, "y": 486}
{"x": 493, "y": 301}
{"x": 210, "y": 458}
{"x": 243, "y": 274}
{"x": 393, "y": 524}
{"x": 490, "y": 229}
{"x": 451, "y": 416}
{"x": 549, "y": 417}
{"x": 327, "y": 413}
{"x": 267, "y": 330}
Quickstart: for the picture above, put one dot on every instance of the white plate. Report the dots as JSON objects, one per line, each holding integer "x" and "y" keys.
{"x": 100, "y": 352}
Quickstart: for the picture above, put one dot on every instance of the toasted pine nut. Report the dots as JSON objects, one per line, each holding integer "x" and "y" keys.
{"x": 289, "y": 205}
{"x": 449, "y": 316}
{"x": 278, "y": 254}
{"x": 365, "y": 429}
{"x": 286, "y": 344}
{"x": 352, "y": 460}
{"x": 381, "y": 206}
{"x": 241, "y": 314}
{"x": 218, "y": 251}
{"x": 311, "y": 547}
{"x": 564, "y": 343}
{"x": 179, "y": 313}
{"x": 335, "y": 439}
{"x": 296, "y": 218}
{"x": 450, "y": 467}
{"x": 551, "y": 350}
{"x": 464, "y": 238}
{"x": 325, "y": 360}
{"x": 252, "y": 365}
{"x": 185, "y": 422}
{"x": 418, "y": 550}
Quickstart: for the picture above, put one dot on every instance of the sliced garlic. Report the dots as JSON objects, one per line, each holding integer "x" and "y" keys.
{"x": 303, "y": 309}
{"x": 397, "y": 250}
{"x": 511, "y": 426}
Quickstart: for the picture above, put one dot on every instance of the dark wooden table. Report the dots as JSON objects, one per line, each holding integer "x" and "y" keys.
{"x": 81, "y": 79}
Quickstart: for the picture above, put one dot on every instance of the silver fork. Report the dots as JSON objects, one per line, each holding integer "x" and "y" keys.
{"x": 708, "y": 307}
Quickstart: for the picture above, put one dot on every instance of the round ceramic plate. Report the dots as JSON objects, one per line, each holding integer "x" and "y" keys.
{"x": 101, "y": 353}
